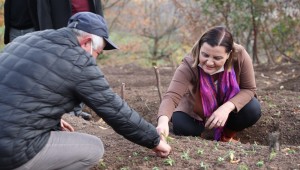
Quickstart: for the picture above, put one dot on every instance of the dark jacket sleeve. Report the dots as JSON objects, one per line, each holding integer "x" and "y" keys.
{"x": 44, "y": 14}
{"x": 94, "y": 91}
{"x": 32, "y": 6}
{"x": 96, "y": 7}
{"x": 6, "y": 21}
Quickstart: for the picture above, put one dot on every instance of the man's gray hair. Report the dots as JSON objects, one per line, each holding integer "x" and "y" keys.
{"x": 96, "y": 39}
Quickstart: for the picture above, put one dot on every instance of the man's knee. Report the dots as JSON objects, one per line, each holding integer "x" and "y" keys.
{"x": 98, "y": 150}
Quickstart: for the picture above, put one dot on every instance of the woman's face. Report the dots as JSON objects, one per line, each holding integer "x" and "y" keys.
{"x": 211, "y": 58}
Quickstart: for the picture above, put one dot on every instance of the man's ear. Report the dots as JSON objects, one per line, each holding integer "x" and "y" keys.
{"x": 85, "y": 41}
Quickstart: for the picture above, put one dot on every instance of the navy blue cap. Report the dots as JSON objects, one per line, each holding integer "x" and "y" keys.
{"x": 93, "y": 24}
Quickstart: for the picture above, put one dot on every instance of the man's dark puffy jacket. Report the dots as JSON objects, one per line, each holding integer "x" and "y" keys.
{"x": 44, "y": 75}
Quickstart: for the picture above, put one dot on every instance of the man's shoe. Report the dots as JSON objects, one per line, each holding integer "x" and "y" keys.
{"x": 85, "y": 115}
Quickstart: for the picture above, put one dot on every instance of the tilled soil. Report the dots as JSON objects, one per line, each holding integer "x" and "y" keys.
{"x": 278, "y": 92}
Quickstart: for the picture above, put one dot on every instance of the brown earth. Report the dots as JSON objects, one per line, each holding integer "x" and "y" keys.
{"x": 278, "y": 92}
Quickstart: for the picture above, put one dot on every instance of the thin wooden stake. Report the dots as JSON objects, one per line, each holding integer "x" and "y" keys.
{"x": 158, "y": 82}
{"x": 123, "y": 91}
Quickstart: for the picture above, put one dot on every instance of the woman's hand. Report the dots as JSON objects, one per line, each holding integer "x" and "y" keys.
{"x": 162, "y": 149}
{"x": 220, "y": 116}
{"x": 65, "y": 126}
{"x": 163, "y": 127}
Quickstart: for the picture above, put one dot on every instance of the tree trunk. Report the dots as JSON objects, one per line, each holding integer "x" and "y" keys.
{"x": 255, "y": 31}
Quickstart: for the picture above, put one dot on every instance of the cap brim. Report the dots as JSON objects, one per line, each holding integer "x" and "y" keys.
{"x": 109, "y": 45}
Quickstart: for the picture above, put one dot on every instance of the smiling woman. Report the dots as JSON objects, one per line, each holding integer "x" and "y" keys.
{"x": 214, "y": 87}
{"x": 212, "y": 59}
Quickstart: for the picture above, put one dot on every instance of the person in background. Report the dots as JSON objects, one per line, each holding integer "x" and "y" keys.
{"x": 20, "y": 17}
{"x": 44, "y": 74}
{"x": 214, "y": 87}
{"x": 54, "y": 14}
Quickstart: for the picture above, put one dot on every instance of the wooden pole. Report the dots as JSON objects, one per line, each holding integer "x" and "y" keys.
{"x": 123, "y": 91}
{"x": 158, "y": 82}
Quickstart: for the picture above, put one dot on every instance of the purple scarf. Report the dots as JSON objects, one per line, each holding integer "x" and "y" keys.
{"x": 212, "y": 98}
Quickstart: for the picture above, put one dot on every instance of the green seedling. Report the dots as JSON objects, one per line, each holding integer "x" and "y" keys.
{"x": 245, "y": 152}
{"x": 254, "y": 147}
{"x": 277, "y": 113}
{"x": 125, "y": 168}
{"x": 200, "y": 151}
{"x": 230, "y": 156}
{"x": 168, "y": 138}
{"x": 291, "y": 151}
{"x": 203, "y": 166}
{"x": 155, "y": 168}
{"x": 146, "y": 158}
{"x": 169, "y": 161}
{"x": 216, "y": 146}
{"x": 220, "y": 159}
{"x": 101, "y": 164}
{"x": 135, "y": 153}
{"x": 260, "y": 163}
{"x": 272, "y": 105}
{"x": 272, "y": 155}
{"x": 243, "y": 167}
{"x": 185, "y": 155}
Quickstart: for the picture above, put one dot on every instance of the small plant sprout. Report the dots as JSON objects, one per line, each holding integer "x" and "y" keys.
{"x": 135, "y": 153}
{"x": 203, "y": 166}
{"x": 168, "y": 138}
{"x": 260, "y": 163}
{"x": 124, "y": 168}
{"x": 220, "y": 159}
{"x": 289, "y": 150}
{"x": 200, "y": 151}
{"x": 232, "y": 158}
{"x": 216, "y": 146}
{"x": 185, "y": 155}
{"x": 272, "y": 154}
{"x": 101, "y": 164}
{"x": 155, "y": 168}
{"x": 254, "y": 147}
{"x": 146, "y": 158}
{"x": 242, "y": 167}
{"x": 169, "y": 161}
{"x": 231, "y": 155}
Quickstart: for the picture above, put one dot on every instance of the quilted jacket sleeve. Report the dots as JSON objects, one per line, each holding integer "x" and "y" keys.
{"x": 94, "y": 90}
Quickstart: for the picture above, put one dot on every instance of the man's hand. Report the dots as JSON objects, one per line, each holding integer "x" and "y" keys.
{"x": 220, "y": 116}
{"x": 65, "y": 126}
{"x": 162, "y": 149}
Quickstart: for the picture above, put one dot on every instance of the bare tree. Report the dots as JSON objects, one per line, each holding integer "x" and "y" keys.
{"x": 254, "y": 19}
{"x": 113, "y": 9}
{"x": 156, "y": 21}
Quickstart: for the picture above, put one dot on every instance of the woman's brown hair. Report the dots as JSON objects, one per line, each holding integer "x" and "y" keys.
{"x": 216, "y": 36}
